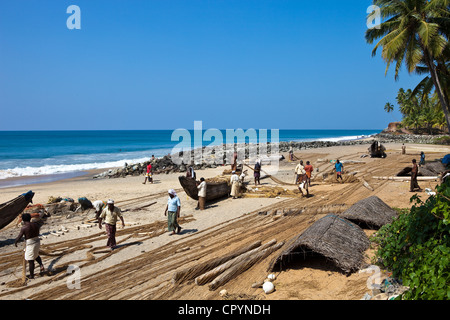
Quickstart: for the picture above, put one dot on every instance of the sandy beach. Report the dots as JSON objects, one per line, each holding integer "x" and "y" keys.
{"x": 147, "y": 257}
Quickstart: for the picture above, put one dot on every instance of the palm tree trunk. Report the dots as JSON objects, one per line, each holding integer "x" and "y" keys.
{"x": 437, "y": 85}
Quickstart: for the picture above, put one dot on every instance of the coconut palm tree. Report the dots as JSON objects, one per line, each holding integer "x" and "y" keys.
{"x": 415, "y": 33}
{"x": 389, "y": 107}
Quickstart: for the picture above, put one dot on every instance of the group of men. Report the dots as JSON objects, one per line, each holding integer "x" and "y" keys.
{"x": 303, "y": 175}
{"x": 108, "y": 213}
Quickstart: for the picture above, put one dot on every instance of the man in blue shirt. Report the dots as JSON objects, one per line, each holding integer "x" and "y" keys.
{"x": 339, "y": 168}
{"x": 172, "y": 212}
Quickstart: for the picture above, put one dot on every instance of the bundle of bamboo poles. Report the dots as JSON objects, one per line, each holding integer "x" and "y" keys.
{"x": 220, "y": 270}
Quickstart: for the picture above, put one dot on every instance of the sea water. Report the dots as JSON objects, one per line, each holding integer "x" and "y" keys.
{"x": 60, "y": 154}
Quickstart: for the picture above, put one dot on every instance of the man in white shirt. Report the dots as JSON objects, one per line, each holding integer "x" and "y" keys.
{"x": 299, "y": 171}
{"x": 234, "y": 185}
{"x": 201, "y": 194}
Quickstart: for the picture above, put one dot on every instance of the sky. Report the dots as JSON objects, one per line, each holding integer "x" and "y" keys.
{"x": 163, "y": 64}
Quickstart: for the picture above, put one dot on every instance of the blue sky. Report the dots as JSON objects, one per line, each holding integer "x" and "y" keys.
{"x": 161, "y": 64}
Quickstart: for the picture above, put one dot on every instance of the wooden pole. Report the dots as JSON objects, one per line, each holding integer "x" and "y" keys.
{"x": 210, "y": 275}
{"x": 195, "y": 271}
{"x": 243, "y": 266}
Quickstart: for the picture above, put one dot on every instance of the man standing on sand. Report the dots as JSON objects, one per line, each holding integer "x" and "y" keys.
{"x": 339, "y": 168}
{"x": 201, "y": 194}
{"x": 31, "y": 232}
{"x": 299, "y": 171}
{"x": 110, "y": 214}
{"x": 414, "y": 173}
{"x": 148, "y": 175}
{"x": 257, "y": 172}
{"x": 172, "y": 212}
{"x": 235, "y": 186}
{"x": 309, "y": 169}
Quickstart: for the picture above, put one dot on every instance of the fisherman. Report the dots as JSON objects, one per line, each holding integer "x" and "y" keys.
{"x": 299, "y": 171}
{"x": 110, "y": 214}
{"x": 303, "y": 185}
{"x": 308, "y": 169}
{"x": 31, "y": 232}
{"x": 257, "y": 172}
{"x": 234, "y": 164}
{"x": 172, "y": 212}
{"x": 98, "y": 205}
{"x": 190, "y": 173}
{"x": 422, "y": 159}
{"x": 149, "y": 174}
{"x": 201, "y": 194}
{"x": 414, "y": 173}
{"x": 339, "y": 168}
{"x": 234, "y": 181}
{"x": 291, "y": 153}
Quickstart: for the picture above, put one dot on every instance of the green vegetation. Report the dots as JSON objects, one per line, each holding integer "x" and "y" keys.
{"x": 420, "y": 111}
{"x": 416, "y": 247}
{"x": 416, "y": 33}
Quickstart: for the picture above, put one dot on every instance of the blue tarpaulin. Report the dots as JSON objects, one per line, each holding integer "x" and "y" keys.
{"x": 446, "y": 159}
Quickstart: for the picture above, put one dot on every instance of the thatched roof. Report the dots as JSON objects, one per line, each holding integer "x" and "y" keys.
{"x": 370, "y": 212}
{"x": 338, "y": 240}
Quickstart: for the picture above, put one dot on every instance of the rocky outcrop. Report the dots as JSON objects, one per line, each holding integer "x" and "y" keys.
{"x": 165, "y": 165}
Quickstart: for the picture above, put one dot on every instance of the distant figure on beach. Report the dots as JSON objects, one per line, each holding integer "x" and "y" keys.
{"x": 403, "y": 149}
{"x": 190, "y": 173}
{"x": 414, "y": 173}
{"x": 172, "y": 212}
{"x": 422, "y": 159}
{"x": 299, "y": 172}
{"x": 152, "y": 158}
{"x": 149, "y": 174}
{"x": 98, "y": 205}
{"x": 257, "y": 173}
{"x": 234, "y": 164}
{"x": 291, "y": 153}
{"x": 201, "y": 194}
{"x": 110, "y": 214}
{"x": 308, "y": 169}
{"x": 339, "y": 168}
{"x": 31, "y": 232}
{"x": 235, "y": 186}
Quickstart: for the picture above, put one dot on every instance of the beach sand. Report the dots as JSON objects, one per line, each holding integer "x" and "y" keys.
{"x": 147, "y": 256}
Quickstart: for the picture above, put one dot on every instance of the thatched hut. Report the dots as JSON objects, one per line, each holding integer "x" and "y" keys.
{"x": 371, "y": 213}
{"x": 333, "y": 238}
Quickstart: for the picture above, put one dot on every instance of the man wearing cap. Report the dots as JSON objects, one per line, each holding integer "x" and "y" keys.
{"x": 110, "y": 214}
{"x": 172, "y": 212}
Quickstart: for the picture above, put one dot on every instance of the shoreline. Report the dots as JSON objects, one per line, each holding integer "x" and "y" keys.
{"x": 225, "y": 226}
{"x": 100, "y": 173}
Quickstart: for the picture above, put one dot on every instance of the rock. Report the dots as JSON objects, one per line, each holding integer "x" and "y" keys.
{"x": 268, "y": 287}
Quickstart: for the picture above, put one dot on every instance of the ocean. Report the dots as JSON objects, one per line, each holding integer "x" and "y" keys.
{"x": 53, "y": 155}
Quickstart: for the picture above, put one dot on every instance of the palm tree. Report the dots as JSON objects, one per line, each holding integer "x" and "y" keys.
{"x": 415, "y": 33}
{"x": 389, "y": 107}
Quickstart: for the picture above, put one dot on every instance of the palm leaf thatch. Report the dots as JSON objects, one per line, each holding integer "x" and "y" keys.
{"x": 11, "y": 209}
{"x": 370, "y": 212}
{"x": 337, "y": 240}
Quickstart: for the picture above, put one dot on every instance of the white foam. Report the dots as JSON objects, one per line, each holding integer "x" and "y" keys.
{"x": 54, "y": 169}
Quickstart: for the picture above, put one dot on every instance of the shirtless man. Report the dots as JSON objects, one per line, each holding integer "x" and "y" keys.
{"x": 31, "y": 232}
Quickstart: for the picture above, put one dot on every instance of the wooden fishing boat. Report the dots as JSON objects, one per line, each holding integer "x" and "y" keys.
{"x": 214, "y": 189}
{"x": 11, "y": 209}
